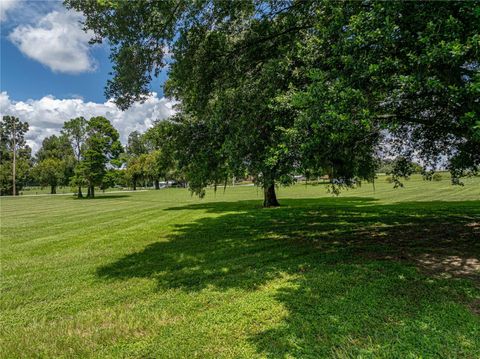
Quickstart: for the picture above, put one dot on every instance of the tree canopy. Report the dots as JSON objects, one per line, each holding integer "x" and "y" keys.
{"x": 102, "y": 146}
{"x": 75, "y": 130}
{"x": 277, "y": 88}
{"x": 55, "y": 162}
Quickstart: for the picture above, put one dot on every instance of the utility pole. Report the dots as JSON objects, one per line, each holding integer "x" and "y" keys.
{"x": 14, "y": 158}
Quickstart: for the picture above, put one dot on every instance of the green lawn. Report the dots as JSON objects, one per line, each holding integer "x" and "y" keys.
{"x": 371, "y": 273}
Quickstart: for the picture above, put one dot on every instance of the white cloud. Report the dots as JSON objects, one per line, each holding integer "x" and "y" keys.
{"x": 7, "y": 6}
{"x": 47, "y": 115}
{"x": 57, "y": 41}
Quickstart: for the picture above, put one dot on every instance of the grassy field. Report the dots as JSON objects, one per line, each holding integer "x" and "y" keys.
{"x": 160, "y": 274}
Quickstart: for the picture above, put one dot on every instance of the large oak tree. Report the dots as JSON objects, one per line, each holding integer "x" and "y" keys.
{"x": 278, "y": 87}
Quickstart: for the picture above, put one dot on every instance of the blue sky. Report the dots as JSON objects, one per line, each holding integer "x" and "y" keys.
{"x": 23, "y": 77}
{"x": 49, "y": 73}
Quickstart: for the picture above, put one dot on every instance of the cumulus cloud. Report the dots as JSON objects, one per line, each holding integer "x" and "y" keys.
{"x": 56, "y": 40}
{"x": 47, "y": 115}
{"x": 7, "y": 6}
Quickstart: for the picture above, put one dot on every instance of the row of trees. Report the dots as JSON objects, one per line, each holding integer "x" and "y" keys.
{"x": 278, "y": 87}
{"x": 82, "y": 155}
{"x": 149, "y": 159}
{"x": 86, "y": 154}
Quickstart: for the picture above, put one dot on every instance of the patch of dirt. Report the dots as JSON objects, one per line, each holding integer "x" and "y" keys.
{"x": 475, "y": 226}
{"x": 449, "y": 265}
{"x": 475, "y": 306}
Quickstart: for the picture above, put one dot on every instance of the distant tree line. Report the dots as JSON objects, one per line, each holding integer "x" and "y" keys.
{"x": 87, "y": 154}
{"x": 149, "y": 159}
{"x": 82, "y": 155}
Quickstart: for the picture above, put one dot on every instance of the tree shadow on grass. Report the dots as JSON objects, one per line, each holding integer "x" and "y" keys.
{"x": 103, "y": 196}
{"x": 357, "y": 284}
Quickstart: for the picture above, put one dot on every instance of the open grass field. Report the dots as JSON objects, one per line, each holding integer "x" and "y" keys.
{"x": 389, "y": 273}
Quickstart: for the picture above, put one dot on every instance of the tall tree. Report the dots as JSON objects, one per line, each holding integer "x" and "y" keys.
{"x": 102, "y": 146}
{"x": 136, "y": 154}
{"x": 162, "y": 161}
{"x": 226, "y": 86}
{"x": 136, "y": 144}
{"x": 14, "y": 154}
{"x": 76, "y": 132}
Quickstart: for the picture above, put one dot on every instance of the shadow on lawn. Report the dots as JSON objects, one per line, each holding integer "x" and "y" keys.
{"x": 353, "y": 269}
{"x": 101, "y": 196}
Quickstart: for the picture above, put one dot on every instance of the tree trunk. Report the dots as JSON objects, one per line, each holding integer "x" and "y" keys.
{"x": 91, "y": 191}
{"x": 157, "y": 184}
{"x": 269, "y": 196}
{"x": 134, "y": 185}
{"x": 14, "y": 167}
{"x": 53, "y": 189}
{"x": 79, "y": 194}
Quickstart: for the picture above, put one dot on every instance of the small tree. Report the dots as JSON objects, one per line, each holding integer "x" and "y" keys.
{"x": 50, "y": 172}
{"x": 135, "y": 170}
{"x": 112, "y": 177}
{"x": 60, "y": 165}
{"x": 158, "y": 164}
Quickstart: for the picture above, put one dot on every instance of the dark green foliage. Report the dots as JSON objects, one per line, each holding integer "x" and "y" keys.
{"x": 166, "y": 151}
{"x": 58, "y": 147}
{"x": 50, "y": 172}
{"x": 111, "y": 178}
{"x": 136, "y": 144}
{"x": 102, "y": 145}
{"x": 151, "y": 156}
{"x": 96, "y": 146}
{"x": 76, "y": 130}
{"x": 55, "y": 162}
{"x": 418, "y": 61}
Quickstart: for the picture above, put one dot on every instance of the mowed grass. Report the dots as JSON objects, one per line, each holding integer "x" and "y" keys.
{"x": 390, "y": 273}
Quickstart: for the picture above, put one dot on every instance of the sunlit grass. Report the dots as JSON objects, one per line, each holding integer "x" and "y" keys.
{"x": 375, "y": 272}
